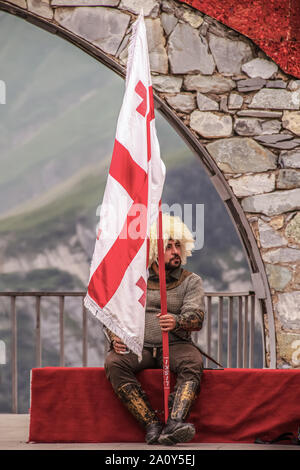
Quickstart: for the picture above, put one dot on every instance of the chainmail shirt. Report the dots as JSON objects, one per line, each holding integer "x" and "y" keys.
{"x": 185, "y": 301}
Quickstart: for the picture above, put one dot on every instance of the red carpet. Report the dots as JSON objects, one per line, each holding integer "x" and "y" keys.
{"x": 234, "y": 405}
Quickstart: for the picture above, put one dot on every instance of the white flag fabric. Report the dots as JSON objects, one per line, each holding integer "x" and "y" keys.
{"x": 117, "y": 286}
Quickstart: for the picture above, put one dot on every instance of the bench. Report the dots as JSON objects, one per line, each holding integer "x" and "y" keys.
{"x": 70, "y": 404}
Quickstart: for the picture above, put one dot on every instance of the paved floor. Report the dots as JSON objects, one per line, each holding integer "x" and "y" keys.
{"x": 14, "y": 435}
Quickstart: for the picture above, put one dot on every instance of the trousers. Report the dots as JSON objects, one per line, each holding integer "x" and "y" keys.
{"x": 185, "y": 361}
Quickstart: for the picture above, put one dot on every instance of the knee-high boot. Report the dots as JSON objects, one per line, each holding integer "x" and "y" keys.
{"x": 176, "y": 430}
{"x": 136, "y": 401}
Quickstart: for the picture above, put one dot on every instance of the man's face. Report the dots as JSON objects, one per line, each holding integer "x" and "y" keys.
{"x": 173, "y": 254}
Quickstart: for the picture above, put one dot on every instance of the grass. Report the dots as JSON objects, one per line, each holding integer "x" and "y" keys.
{"x": 55, "y": 223}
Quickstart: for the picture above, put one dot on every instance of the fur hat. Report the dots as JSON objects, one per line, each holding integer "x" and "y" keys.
{"x": 172, "y": 228}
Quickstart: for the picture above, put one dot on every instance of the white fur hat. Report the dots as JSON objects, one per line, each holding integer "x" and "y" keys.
{"x": 172, "y": 228}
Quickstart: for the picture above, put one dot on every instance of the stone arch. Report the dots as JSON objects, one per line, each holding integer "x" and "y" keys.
{"x": 178, "y": 87}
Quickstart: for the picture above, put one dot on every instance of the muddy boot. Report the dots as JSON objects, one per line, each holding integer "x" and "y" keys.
{"x": 176, "y": 430}
{"x": 135, "y": 400}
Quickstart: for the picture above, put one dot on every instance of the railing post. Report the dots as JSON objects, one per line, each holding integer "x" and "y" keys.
{"x": 14, "y": 355}
{"x": 239, "y": 334}
{"x": 229, "y": 332}
{"x": 38, "y": 345}
{"x": 245, "y": 334}
{"x": 252, "y": 325}
{"x": 61, "y": 331}
{"x": 208, "y": 329}
{"x": 220, "y": 329}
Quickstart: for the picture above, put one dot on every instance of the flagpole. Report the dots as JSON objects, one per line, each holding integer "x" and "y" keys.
{"x": 163, "y": 297}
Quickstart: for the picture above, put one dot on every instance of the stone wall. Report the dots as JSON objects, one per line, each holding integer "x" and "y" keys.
{"x": 242, "y": 108}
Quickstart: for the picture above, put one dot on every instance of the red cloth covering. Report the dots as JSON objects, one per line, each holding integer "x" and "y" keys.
{"x": 234, "y": 405}
{"x": 273, "y": 25}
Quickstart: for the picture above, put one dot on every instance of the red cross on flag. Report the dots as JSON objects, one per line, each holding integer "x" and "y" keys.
{"x": 117, "y": 286}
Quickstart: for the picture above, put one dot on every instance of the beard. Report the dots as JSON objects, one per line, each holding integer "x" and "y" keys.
{"x": 174, "y": 263}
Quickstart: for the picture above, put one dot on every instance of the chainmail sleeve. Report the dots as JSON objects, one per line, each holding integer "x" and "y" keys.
{"x": 191, "y": 314}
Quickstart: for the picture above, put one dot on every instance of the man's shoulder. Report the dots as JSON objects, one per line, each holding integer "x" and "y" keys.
{"x": 191, "y": 275}
{"x": 191, "y": 280}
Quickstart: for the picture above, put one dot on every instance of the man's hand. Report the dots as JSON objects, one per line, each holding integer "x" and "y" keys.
{"x": 167, "y": 322}
{"x": 119, "y": 346}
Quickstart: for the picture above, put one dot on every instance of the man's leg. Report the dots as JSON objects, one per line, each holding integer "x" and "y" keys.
{"x": 121, "y": 371}
{"x": 187, "y": 363}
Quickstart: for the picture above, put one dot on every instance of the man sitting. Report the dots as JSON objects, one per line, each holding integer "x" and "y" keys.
{"x": 185, "y": 313}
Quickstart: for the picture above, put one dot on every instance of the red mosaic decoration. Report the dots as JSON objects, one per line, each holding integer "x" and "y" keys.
{"x": 273, "y": 25}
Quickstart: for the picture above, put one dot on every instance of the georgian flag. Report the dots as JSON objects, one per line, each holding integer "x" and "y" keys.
{"x": 117, "y": 286}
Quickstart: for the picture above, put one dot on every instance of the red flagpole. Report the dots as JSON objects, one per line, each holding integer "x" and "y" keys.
{"x": 163, "y": 297}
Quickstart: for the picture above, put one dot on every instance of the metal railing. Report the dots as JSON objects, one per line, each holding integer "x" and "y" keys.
{"x": 225, "y": 330}
{"x": 240, "y": 317}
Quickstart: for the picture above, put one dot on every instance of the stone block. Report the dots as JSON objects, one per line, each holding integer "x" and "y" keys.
{"x": 205, "y": 84}
{"x": 269, "y": 237}
{"x": 288, "y": 179}
{"x": 294, "y": 85}
{"x": 252, "y": 184}
{"x": 167, "y": 83}
{"x": 186, "y": 38}
{"x": 206, "y": 104}
{"x": 288, "y": 308}
{"x": 251, "y": 84}
{"x": 296, "y": 278}
{"x": 183, "y": 102}
{"x": 271, "y": 126}
{"x": 103, "y": 27}
{"x": 210, "y": 125}
{"x": 293, "y": 229}
{"x": 241, "y": 155}
{"x": 282, "y": 255}
{"x": 276, "y": 84}
{"x": 235, "y": 101}
{"x": 248, "y": 126}
{"x": 229, "y": 55}
{"x": 150, "y": 7}
{"x": 291, "y": 121}
{"x": 279, "y": 141}
{"x": 289, "y": 347}
{"x": 269, "y": 98}
{"x": 84, "y": 3}
{"x": 156, "y": 46}
{"x": 193, "y": 18}
{"x": 277, "y": 222}
{"x": 168, "y": 22}
{"x": 274, "y": 203}
{"x": 260, "y": 114}
{"x": 278, "y": 276}
{"x": 290, "y": 159}
{"x": 170, "y": 6}
{"x": 40, "y": 8}
{"x": 224, "y": 105}
{"x": 260, "y": 68}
